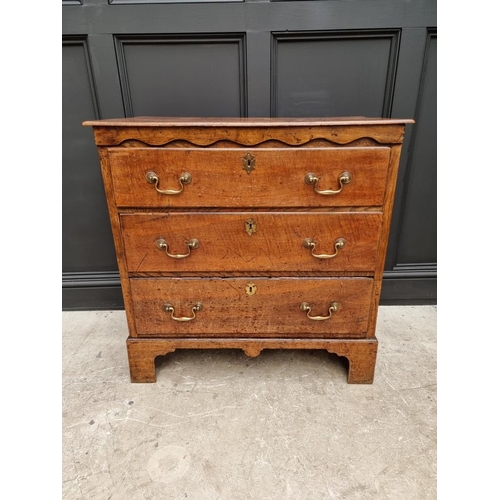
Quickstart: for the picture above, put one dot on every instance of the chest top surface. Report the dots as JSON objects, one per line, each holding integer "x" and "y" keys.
{"x": 159, "y": 121}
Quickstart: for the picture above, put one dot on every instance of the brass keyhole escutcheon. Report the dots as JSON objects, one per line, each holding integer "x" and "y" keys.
{"x": 250, "y": 226}
{"x": 251, "y": 289}
{"x": 248, "y": 163}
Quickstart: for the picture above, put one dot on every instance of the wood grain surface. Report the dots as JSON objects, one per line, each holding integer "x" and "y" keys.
{"x": 276, "y": 245}
{"x": 362, "y": 354}
{"x": 274, "y": 310}
{"x": 158, "y": 131}
{"x": 181, "y": 121}
{"x": 114, "y": 219}
{"x": 219, "y": 180}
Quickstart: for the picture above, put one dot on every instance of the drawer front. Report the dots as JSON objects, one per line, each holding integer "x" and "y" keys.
{"x": 273, "y": 178}
{"x": 257, "y": 241}
{"x": 257, "y": 307}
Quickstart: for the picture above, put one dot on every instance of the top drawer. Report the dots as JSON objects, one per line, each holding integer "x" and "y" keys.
{"x": 248, "y": 177}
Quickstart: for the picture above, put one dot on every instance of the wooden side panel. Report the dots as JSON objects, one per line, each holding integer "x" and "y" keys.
{"x": 277, "y": 178}
{"x": 276, "y": 244}
{"x": 384, "y": 237}
{"x": 273, "y": 310}
{"x": 117, "y": 238}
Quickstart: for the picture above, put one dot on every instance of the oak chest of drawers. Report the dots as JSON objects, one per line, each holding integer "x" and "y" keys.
{"x": 250, "y": 233}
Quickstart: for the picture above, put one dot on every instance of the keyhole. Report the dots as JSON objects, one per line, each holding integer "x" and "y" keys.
{"x": 250, "y": 289}
{"x": 250, "y": 227}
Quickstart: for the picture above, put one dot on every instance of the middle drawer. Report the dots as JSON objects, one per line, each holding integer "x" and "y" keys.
{"x": 251, "y": 241}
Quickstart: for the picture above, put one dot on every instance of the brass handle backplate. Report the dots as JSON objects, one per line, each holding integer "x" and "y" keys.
{"x": 185, "y": 178}
{"x": 339, "y": 243}
{"x": 344, "y": 178}
{"x": 334, "y": 307}
{"x": 163, "y": 245}
{"x": 169, "y": 308}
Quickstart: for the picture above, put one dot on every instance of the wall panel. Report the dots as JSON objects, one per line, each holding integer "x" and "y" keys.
{"x": 418, "y": 233}
{"x": 87, "y": 242}
{"x": 334, "y": 74}
{"x": 183, "y": 76}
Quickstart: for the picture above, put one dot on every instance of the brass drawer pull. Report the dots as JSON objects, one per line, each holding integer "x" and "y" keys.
{"x": 185, "y": 178}
{"x": 169, "y": 308}
{"x": 344, "y": 178}
{"x": 334, "y": 307}
{"x": 339, "y": 243}
{"x": 162, "y": 244}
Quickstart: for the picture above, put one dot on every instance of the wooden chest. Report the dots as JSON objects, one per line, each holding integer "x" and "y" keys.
{"x": 250, "y": 233}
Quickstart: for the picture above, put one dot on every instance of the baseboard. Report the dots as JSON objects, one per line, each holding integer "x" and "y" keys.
{"x": 408, "y": 291}
{"x": 91, "y": 291}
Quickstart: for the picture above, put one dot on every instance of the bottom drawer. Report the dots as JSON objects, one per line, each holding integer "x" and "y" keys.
{"x": 252, "y": 307}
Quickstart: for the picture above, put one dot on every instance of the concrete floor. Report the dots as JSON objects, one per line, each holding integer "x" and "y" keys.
{"x": 219, "y": 425}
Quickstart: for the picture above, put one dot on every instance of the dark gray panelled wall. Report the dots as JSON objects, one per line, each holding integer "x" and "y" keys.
{"x": 254, "y": 58}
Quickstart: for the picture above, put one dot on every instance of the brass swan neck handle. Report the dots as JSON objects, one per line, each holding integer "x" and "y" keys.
{"x": 313, "y": 180}
{"x": 163, "y": 245}
{"x": 185, "y": 178}
{"x": 334, "y": 307}
{"x": 169, "y": 308}
{"x": 309, "y": 243}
